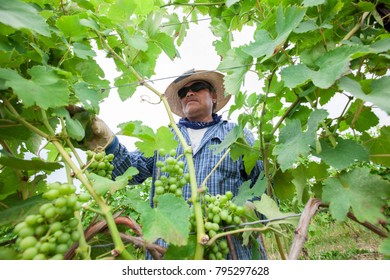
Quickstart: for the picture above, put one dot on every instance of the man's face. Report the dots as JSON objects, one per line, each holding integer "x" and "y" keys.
{"x": 198, "y": 102}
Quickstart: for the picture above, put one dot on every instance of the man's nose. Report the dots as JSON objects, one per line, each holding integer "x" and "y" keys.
{"x": 190, "y": 93}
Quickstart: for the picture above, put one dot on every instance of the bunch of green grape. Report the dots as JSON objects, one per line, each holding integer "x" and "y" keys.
{"x": 219, "y": 212}
{"x": 100, "y": 163}
{"x": 51, "y": 232}
{"x": 175, "y": 178}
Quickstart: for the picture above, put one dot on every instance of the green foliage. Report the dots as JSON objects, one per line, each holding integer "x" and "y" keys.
{"x": 159, "y": 222}
{"x": 355, "y": 189}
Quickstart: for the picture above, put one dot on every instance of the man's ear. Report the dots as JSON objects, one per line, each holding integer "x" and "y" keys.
{"x": 214, "y": 97}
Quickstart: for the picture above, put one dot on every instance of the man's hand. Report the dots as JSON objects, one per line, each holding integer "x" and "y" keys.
{"x": 101, "y": 136}
{"x": 98, "y": 135}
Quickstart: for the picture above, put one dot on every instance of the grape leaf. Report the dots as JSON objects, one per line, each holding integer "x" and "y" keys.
{"x": 83, "y": 51}
{"x": 103, "y": 185}
{"x": 361, "y": 118}
{"x": 151, "y": 142}
{"x": 45, "y": 88}
{"x": 230, "y": 3}
{"x": 264, "y": 46}
{"x": 185, "y": 252}
{"x": 300, "y": 181}
{"x": 9, "y": 182}
{"x": 22, "y": 15}
{"x": 127, "y": 84}
{"x": 294, "y": 143}
{"x": 379, "y": 147}
{"x": 310, "y": 3}
{"x": 144, "y": 7}
{"x": 23, "y": 164}
{"x": 283, "y": 186}
{"x": 234, "y": 75}
{"x": 232, "y": 136}
{"x": 331, "y": 67}
{"x": 73, "y": 126}
{"x": 358, "y": 190}
{"x": 71, "y": 27}
{"x": 377, "y": 91}
{"x": 20, "y": 208}
{"x": 246, "y": 192}
{"x": 88, "y": 96}
{"x": 349, "y": 149}
{"x": 121, "y": 10}
{"x": 11, "y": 130}
{"x": 270, "y": 209}
{"x": 165, "y": 42}
{"x": 159, "y": 222}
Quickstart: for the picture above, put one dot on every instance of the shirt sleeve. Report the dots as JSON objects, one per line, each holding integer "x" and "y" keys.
{"x": 123, "y": 159}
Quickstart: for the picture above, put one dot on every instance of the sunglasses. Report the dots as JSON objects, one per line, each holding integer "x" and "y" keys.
{"x": 195, "y": 87}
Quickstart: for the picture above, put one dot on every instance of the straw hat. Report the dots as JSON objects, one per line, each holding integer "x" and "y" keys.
{"x": 213, "y": 77}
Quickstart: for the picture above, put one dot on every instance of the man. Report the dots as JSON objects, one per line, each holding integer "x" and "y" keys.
{"x": 196, "y": 96}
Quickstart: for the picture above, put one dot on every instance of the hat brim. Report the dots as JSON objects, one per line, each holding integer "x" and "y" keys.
{"x": 213, "y": 77}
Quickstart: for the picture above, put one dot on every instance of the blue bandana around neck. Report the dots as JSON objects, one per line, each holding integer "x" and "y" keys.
{"x": 199, "y": 125}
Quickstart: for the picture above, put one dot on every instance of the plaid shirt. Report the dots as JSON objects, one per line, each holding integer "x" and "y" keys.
{"x": 228, "y": 176}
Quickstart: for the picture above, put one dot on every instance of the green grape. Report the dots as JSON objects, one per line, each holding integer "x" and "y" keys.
{"x": 208, "y": 226}
{"x": 240, "y": 210}
{"x": 173, "y": 188}
{"x": 51, "y": 194}
{"x": 84, "y": 197}
{"x": 179, "y": 192}
{"x": 223, "y": 244}
{"x": 172, "y": 153}
{"x": 57, "y": 257}
{"x": 236, "y": 220}
{"x": 29, "y": 253}
{"x": 60, "y": 202}
{"x": 39, "y": 257}
{"x": 170, "y": 161}
{"x": 41, "y": 230}
{"x": 31, "y": 220}
{"x": 27, "y": 242}
{"x": 162, "y": 152}
{"x": 215, "y": 227}
{"x": 50, "y": 213}
{"x": 224, "y": 214}
{"x": 229, "y": 195}
{"x": 64, "y": 238}
{"x": 75, "y": 236}
{"x": 56, "y": 226}
{"x": 216, "y": 219}
{"x": 26, "y": 231}
{"x": 160, "y": 190}
{"x": 219, "y": 256}
{"x": 99, "y": 156}
{"x": 45, "y": 248}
